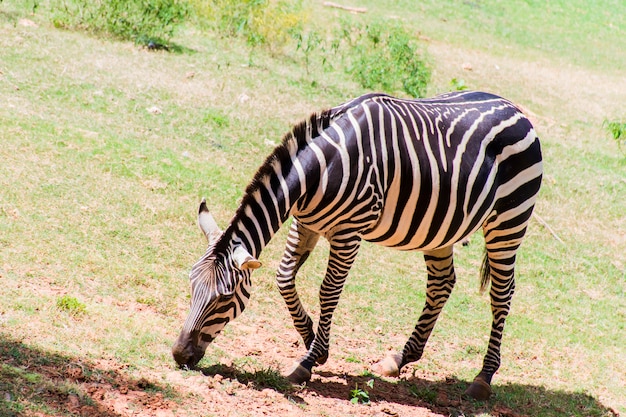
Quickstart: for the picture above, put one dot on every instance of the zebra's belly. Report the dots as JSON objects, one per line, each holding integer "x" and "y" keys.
{"x": 423, "y": 234}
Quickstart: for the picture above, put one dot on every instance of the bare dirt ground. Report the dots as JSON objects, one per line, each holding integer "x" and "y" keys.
{"x": 103, "y": 389}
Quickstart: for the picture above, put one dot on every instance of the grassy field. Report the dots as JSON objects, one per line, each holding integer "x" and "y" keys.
{"x": 107, "y": 148}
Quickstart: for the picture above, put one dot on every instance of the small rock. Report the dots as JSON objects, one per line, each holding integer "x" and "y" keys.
{"x": 505, "y": 411}
{"x": 154, "y": 110}
{"x": 75, "y": 373}
{"x": 267, "y": 392}
{"x": 73, "y": 402}
{"x": 442, "y": 399}
{"x": 243, "y": 97}
{"x": 27, "y": 23}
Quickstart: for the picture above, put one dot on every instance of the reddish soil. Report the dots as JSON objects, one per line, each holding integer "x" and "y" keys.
{"x": 104, "y": 389}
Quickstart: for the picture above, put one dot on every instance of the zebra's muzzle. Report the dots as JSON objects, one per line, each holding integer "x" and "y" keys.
{"x": 187, "y": 350}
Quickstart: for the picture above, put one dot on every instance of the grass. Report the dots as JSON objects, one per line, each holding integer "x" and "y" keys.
{"x": 98, "y": 193}
{"x": 532, "y": 29}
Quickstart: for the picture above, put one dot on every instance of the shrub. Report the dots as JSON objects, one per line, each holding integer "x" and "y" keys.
{"x": 381, "y": 56}
{"x": 147, "y": 22}
{"x": 385, "y": 57}
{"x": 260, "y": 22}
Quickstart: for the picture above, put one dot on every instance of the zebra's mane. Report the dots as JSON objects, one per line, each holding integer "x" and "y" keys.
{"x": 299, "y": 137}
{"x": 292, "y": 143}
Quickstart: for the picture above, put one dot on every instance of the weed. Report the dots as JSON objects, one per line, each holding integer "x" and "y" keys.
{"x": 358, "y": 395}
{"x": 308, "y": 43}
{"x": 71, "y": 305}
{"x": 269, "y": 378}
{"x": 617, "y": 130}
{"x": 277, "y": 24}
{"x": 216, "y": 118}
{"x": 458, "y": 84}
{"x": 422, "y": 393}
{"x": 260, "y": 22}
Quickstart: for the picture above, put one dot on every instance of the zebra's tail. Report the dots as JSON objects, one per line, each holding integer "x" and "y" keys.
{"x": 485, "y": 274}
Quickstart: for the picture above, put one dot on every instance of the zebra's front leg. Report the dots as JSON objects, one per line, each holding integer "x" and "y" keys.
{"x": 441, "y": 279}
{"x": 300, "y": 242}
{"x": 343, "y": 251}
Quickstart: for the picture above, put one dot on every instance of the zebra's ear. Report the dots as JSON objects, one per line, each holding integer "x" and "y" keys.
{"x": 243, "y": 260}
{"x": 207, "y": 223}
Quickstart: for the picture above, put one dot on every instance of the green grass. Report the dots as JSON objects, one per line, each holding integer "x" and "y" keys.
{"x": 534, "y": 29}
{"x": 98, "y": 194}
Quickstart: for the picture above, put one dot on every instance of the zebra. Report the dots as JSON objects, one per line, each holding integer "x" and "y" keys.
{"x": 410, "y": 174}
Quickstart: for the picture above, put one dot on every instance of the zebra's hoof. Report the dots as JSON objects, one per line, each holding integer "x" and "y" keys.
{"x": 322, "y": 359}
{"x": 299, "y": 375}
{"x": 389, "y": 366}
{"x": 479, "y": 390}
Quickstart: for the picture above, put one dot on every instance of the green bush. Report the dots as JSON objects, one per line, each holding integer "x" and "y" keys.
{"x": 385, "y": 57}
{"x": 381, "y": 56}
{"x": 147, "y": 22}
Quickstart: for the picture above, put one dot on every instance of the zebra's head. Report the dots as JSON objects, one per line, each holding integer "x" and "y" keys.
{"x": 220, "y": 290}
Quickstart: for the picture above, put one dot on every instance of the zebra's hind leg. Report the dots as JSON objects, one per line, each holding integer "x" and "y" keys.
{"x": 441, "y": 280}
{"x": 503, "y": 235}
{"x": 300, "y": 242}
{"x": 500, "y": 271}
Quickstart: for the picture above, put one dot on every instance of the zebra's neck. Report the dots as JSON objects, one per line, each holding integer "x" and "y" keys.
{"x": 275, "y": 189}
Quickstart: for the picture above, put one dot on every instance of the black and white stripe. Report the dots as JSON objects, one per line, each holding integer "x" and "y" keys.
{"x": 408, "y": 174}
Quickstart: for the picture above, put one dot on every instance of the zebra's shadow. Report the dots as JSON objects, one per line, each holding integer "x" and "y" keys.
{"x": 447, "y": 397}
{"x": 443, "y": 397}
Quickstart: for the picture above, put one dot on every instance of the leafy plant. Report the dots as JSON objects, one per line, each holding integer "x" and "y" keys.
{"x": 147, "y": 22}
{"x": 308, "y": 43}
{"x": 618, "y": 131}
{"x": 71, "y": 305}
{"x": 358, "y": 395}
{"x": 260, "y": 22}
{"x": 458, "y": 84}
{"x": 386, "y": 57}
{"x": 278, "y": 23}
